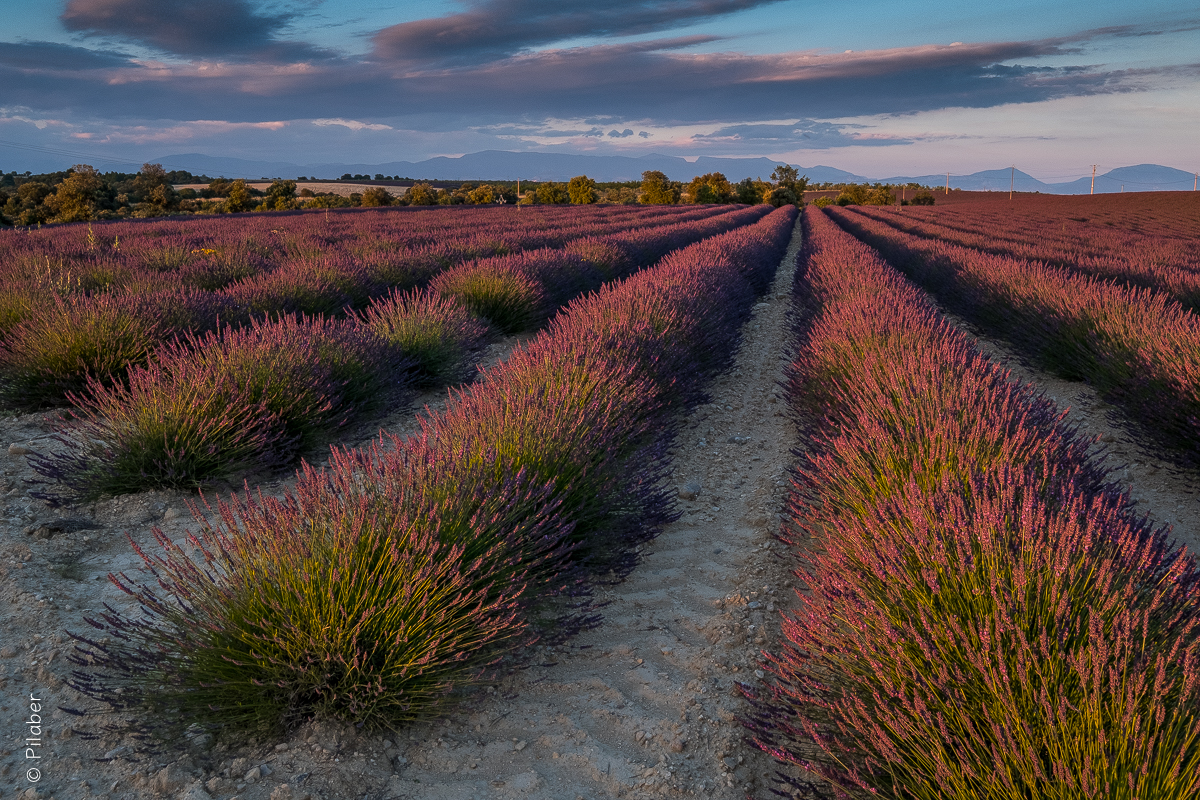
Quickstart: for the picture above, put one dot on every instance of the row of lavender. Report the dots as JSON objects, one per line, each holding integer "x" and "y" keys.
{"x": 400, "y": 572}
{"x": 61, "y": 343}
{"x": 1168, "y": 265}
{"x": 1140, "y": 348}
{"x": 252, "y": 399}
{"x": 984, "y": 616}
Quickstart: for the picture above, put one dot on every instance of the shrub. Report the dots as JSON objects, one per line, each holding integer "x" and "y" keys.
{"x": 401, "y": 572}
{"x": 213, "y": 406}
{"x": 365, "y": 606}
{"x": 497, "y": 290}
{"x": 71, "y": 341}
{"x": 435, "y": 332}
{"x": 582, "y": 190}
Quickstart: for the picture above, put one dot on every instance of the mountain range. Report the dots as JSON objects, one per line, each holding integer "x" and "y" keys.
{"x": 506, "y": 165}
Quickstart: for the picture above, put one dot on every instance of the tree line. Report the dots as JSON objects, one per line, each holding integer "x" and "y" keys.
{"x": 83, "y": 193}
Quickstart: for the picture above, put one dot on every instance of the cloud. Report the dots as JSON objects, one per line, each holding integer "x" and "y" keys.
{"x": 494, "y": 29}
{"x": 807, "y": 134}
{"x": 653, "y": 84}
{"x": 615, "y": 134}
{"x": 187, "y": 28}
{"x": 42, "y": 56}
{"x": 644, "y": 134}
{"x": 354, "y": 124}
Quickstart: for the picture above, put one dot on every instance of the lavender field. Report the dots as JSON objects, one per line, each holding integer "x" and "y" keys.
{"x": 703, "y": 502}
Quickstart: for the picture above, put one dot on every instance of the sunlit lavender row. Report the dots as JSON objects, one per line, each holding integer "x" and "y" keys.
{"x": 1140, "y": 348}
{"x": 82, "y": 300}
{"x": 382, "y": 583}
{"x": 983, "y": 615}
{"x": 252, "y": 399}
{"x": 1165, "y": 263}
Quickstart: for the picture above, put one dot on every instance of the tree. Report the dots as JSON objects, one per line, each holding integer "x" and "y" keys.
{"x": 237, "y": 197}
{"x": 281, "y": 196}
{"x": 657, "y": 189}
{"x": 481, "y": 195}
{"x": 158, "y": 196}
{"x": 752, "y": 191}
{"x": 551, "y": 193}
{"x": 376, "y": 196}
{"x": 76, "y": 197}
{"x": 712, "y": 187}
{"x": 782, "y": 196}
{"x": 582, "y": 190}
{"x": 786, "y": 177}
{"x": 421, "y": 194}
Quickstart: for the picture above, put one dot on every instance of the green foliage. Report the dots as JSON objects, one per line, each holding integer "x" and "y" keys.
{"x": 658, "y": 190}
{"x": 55, "y": 351}
{"x": 821, "y": 202}
{"x": 76, "y": 197}
{"x": 863, "y": 194}
{"x": 712, "y": 187}
{"x": 923, "y": 198}
{"x": 437, "y": 332}
{"x": 551, "y": 193}
{"x": 159, "y": 197}
{"x": 281, "y": 196}
{"x": 238, "y": 197}
{"x": 582, "y": 190}
{"x": 377, "y": 196}
{"x": 421, "y": 194}
{"x": 751, "y": 191}
{"x": 783, "y": 196}
{"x": 506, "y": 298}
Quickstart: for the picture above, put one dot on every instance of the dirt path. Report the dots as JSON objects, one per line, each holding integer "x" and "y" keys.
{"x": 643, "y": 706}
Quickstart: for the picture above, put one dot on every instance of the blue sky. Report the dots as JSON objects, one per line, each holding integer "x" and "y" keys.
{"x": 878, "y": 88}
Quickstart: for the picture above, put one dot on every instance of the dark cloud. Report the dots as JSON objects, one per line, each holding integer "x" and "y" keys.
{"x": 43, "y": 56}
{"x": 808, "y": 134}
{"x": 494, "y": 29}
{"x": 615, "y": 134}
{"x": 183, "y": 27}
{"x": 606, "y": 85}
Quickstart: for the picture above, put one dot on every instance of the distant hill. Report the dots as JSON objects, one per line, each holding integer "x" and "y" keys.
{"x": 506, "y": 165}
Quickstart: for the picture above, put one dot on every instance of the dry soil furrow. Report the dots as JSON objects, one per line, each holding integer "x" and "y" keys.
{"x": 646, "y": 705}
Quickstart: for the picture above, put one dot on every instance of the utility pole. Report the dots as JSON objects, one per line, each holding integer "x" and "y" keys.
{"x": 1012, "y": 181}
{"x": 1093, "y": 191}
{"x": 947, "y": 183}
{"x": 1195, "y": 179}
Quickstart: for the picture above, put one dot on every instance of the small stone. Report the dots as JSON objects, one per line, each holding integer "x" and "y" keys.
{"x": 730, "y": 761}
{"x": 282, "y": 792}
{"x": 8, "y": 652}
{"x": 752, "y": 604}
{"x": 170, "y": 513}
{"x": 676, "y": 746}
{"x": 281, "y": 747}
{"x": 519, "y": 745}
{"x": 252, "y": 775}
{"x": 15, "y": 449}
{"x": 195, "y": 792}
{"x": 116, "y": 752}
{"x": 666, "y": 651}
{"x": 690, "y": 491}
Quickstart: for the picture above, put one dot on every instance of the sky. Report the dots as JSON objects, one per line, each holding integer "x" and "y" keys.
{"x": 875, "y": 87}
